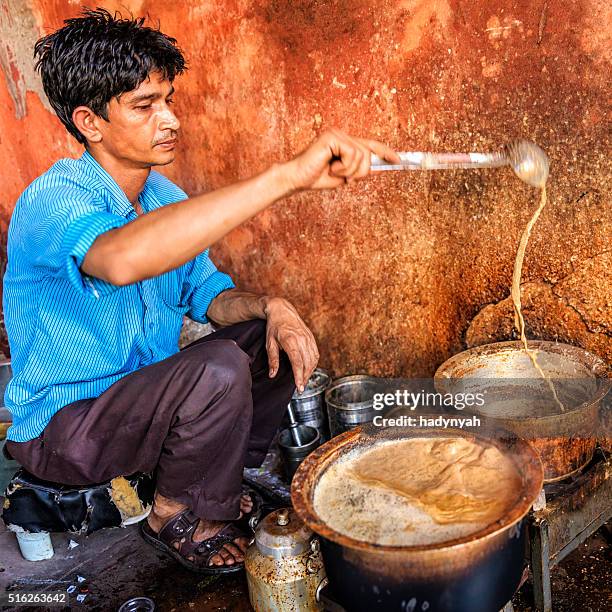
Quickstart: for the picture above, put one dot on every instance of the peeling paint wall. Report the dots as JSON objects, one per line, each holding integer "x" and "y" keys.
{"x": 396, "y": 273}
{"x": 18, "y": 31}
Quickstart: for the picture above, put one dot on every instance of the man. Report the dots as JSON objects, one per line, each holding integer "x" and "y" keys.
{"x": 106, "y": 256}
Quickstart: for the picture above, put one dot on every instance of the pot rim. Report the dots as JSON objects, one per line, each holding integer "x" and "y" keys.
{"x": 349, "y": 379}
{"x": 316, "y": 462}
{"x": 317, "y": 389}
{"x": 495, "y": 347}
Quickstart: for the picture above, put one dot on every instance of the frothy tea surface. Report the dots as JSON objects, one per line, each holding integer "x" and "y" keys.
{"x": 417, "y": 491}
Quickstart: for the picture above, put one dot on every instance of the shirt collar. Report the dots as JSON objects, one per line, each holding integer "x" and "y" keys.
{"x": 148, "y": 198}
{"x": 119, "y": 201}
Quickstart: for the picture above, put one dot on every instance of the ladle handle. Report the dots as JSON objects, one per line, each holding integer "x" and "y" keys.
{"x": 417, "y": 160}
{"x": 294, "y": 426}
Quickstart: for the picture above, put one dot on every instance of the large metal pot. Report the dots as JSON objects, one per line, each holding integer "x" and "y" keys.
{"x": 479, "y": 573}
{"x": 517, "y": 398}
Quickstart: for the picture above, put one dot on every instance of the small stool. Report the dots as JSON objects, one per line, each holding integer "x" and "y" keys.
{"x": 33, "y": 508}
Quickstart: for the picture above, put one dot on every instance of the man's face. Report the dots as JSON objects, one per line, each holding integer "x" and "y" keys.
{"x": 142, "y": 129}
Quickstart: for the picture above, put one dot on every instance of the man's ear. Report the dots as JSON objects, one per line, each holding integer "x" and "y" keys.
{"x": 87, "y": 122}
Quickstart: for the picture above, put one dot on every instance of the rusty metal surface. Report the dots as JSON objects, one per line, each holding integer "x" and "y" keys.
{"x": 571, "y": 508}
{"x": 575, "y": 509}
{"x": 390, "y": 272}
{"x": 562, "y": 456}
{"x": 277, "y": 585}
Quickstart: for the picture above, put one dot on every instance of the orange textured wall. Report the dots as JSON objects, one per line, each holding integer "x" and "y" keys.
{"x": 396, "y": 273}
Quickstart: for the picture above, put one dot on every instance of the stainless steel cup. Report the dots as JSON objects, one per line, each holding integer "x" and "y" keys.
{"x": 309, "y": 407}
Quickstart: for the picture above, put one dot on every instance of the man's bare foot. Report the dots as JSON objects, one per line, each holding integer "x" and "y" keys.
{"x": 164, "y": 508}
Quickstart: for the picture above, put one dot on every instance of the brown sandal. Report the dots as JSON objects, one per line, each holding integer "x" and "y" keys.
{"x": 249, "y": 520}
{"x": 179, "y": 529}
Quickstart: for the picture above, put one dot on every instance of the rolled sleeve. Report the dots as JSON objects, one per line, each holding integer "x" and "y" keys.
{"x": 205, "y": 284}
{"x": 60, "y": 231}
{"x": 79, "y": 237}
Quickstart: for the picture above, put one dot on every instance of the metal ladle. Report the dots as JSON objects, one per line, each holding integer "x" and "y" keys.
{"x": 294, "y": 426}
{"x": 527, "y": 159}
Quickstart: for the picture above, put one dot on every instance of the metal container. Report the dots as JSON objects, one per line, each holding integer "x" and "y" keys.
{"x": 293, "y": 454}
{"x": 476, "y": 573}
{"x": 138, "y": 604}
{"x": 517, "y": 398}
{"x": 350, "y": 402}
{"x": 309, "y": 407}
{"x": 283, "y": 566}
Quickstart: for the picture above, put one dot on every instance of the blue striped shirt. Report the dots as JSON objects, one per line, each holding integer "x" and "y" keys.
{"x": 72, "y": 335}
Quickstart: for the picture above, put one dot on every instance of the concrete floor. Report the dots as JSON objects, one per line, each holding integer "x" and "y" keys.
{"x": 117, "y": 564}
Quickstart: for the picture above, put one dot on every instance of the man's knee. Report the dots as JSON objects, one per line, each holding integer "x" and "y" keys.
{"x": 220, "y": 370}
{"x": 226, "y": 363}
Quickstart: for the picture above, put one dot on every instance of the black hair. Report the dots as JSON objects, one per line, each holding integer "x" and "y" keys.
{"x": 97, "y": 57}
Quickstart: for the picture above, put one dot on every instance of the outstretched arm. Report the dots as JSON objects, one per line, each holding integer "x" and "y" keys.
{"x": 168, "y": 237}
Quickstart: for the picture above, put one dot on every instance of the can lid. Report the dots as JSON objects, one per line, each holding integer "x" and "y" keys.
{"x": 282, "y": 534}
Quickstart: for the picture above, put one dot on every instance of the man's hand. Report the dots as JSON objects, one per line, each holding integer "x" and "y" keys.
{"x": 333, "y": 159}
{"x": 288, "y": 332}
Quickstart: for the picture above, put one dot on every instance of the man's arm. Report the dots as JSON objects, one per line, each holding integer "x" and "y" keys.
{"x": 285, "y": 329}
{"x": 168, "y": 237}
{"x": 233, "y": 306}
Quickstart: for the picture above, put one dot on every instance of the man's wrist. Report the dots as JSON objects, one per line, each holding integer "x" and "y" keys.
{"x": 263, "y": 304}
{"x": 284, "y": 175}
{"x": 270, "y": 304}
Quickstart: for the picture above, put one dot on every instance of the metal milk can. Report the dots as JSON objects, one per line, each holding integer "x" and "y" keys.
{"x": 283, "y": 566}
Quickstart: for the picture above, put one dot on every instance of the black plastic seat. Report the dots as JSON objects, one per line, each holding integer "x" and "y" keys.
{"x": 37, "y": 505}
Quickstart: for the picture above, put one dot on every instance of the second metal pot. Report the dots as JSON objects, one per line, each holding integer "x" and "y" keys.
{"x": 503, "y": 372}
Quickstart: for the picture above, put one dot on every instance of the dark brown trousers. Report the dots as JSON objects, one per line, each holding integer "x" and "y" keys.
{"x": 196, "y": 419}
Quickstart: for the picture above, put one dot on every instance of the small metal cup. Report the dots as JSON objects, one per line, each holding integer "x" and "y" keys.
{"x": 309, "y": 406}
{"x": 350, "y": 402}
{"x": 294, "y": 455}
